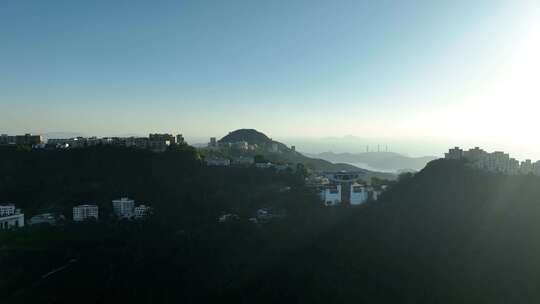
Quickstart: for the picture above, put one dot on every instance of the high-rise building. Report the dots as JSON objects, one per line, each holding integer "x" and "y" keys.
{"x": 212, "y": 143}
{"x": 455, "y": 153}
{"x": 496, "y": 162}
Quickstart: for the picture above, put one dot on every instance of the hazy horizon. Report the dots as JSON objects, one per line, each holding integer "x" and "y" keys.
{"x": 429, "y": 146}
{"x": 419, "y": 78}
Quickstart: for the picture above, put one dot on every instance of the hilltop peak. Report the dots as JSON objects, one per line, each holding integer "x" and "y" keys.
{"x": 251, "y": 136}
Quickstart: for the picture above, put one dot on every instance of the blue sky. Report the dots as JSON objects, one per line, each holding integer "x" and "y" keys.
{"x": 295, "y": 68}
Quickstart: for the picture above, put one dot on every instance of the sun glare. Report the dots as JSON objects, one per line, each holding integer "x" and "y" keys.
{"x": 505, "y": 108}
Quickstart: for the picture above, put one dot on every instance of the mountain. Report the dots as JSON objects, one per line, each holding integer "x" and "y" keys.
{"x": 50, "y": 135}
{"x": 286, "y": 154}
{"x": 249, "y": 135}
{"x": 382, "y": 160}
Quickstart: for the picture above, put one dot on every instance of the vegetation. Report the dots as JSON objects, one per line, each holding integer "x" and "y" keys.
{"x": 449, "y": 234}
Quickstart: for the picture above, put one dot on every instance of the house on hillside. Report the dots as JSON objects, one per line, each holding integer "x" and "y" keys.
{"x": 45, "y": 218}
{"x": 331, "y": 194}
{"x": 359, "y": 194}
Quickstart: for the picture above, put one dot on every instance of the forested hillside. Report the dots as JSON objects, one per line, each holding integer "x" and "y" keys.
{"x": 176, "y": 183}
{"x": 449, "y": 234}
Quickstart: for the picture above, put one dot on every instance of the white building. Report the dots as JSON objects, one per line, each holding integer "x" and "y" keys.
{"x": 359, "y": 194}
{"x": 331, "y": 195}
{"x": 10, "y": 217}
{"x": 124, "y": 207}
{"x": 241, "y": 145}
{"x": 85, "y": 212}
{"x": 142, "y": 211}
{"x": 218, "y": 162}
{"x": 7, "y": 209}
{"x": 243, "y": 161}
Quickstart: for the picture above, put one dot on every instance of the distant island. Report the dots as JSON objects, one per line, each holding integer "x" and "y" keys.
{"x": 384, "y": 161}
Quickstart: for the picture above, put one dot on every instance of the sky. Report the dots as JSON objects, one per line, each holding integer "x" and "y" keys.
{"x": 415, "y": 72}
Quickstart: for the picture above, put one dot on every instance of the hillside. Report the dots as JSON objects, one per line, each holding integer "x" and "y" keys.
{"x": 382, "y": 160}
{"x": 449, "y": 234}
{"x": 171, "y": 181}
{"x": 287, "y": 155}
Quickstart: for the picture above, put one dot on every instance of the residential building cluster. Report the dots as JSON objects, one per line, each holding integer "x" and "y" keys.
{"x": 214, "y": 144}
{"x": 246, "y": 161}
{"x": 154, "y": 142}
{"x": 496, "y": 162}
{"x": 123, "y": 208}
{"x": 241, "y": 145}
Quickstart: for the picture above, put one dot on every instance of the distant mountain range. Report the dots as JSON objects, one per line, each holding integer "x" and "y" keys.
{"x": 50, "y": 135}
{"x": 64, "y": 135}
{"x": 288, "y": 155}
{"x": 388, "y": 161}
